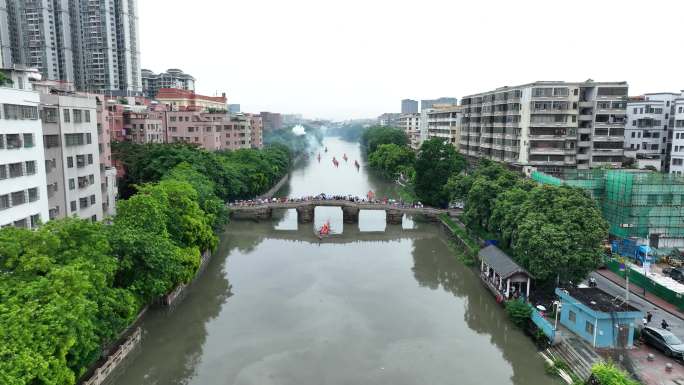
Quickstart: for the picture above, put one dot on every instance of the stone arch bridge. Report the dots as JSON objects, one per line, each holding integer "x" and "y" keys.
{"x": 350, "y": 210}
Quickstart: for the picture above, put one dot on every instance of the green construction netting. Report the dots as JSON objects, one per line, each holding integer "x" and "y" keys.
{"x": 635, "y": 203}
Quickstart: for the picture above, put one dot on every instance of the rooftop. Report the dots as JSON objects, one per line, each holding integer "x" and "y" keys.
{"x": 598, "y": 300}
{"x": 503, "y": 264}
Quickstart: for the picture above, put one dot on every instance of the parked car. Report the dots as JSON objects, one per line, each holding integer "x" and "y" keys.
{"x": 677, "y": 273}
{"x": 664, "y": 341}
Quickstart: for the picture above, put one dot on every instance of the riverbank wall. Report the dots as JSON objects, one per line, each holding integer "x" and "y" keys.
{"x": 115, "y": 359}
{"x": 177, "y": 294}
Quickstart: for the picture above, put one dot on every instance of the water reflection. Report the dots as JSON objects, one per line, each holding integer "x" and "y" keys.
{"x": 172, "y": 342}
{"x": 482, "y": 314}
{"x": 360, "y": 307}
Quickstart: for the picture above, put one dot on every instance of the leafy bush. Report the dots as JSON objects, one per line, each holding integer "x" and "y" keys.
{"x": 519, "y": 312}
{"x": 609, "y": 374}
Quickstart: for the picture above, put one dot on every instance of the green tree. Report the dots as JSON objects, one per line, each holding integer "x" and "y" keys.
{"x": 560, "y": 234}
{"x": 435, "y": 163}
{"x": 391, "y": 159}
{"x": 375, "y": 136}
{"x": 213, "y": 207}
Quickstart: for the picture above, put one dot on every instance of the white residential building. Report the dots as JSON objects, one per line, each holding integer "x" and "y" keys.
{"x": 444, "y": 122}
{"x": 548, "y": 125}
{"x": 23, "y": 194}
{"x": 72, "y": 156}
{"x": 410, "y": 124}
{"x": 648, "y": 130}
{"x": 677, "y": 154}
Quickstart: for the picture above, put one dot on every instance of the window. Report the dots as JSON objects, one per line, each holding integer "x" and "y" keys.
{"x": 93, "y": 218}
{"x": 35, "y": 221}
{"x": 77, "y": 116}
{"x": 72, "y": 184}
{"x": 33, "y": 194}
{"x": 3, "y": 171}
{"x": 90, "y": 158}
{"x": 589, "y": 327}
{"x": 67, "y": 117}
{"x": 92, "y": 199}
{"x": 80, "y": 161}
{"x": 2, "y": 141}
{"x": 50, "y": 141}
{"x": 87, "y": 116}
{"x": 28, "y": 140}
{"x": 49, "y": 115}
{"x": 572, "y": 317}
{"x": 15, "y": 111}
{"x": 73, "y": 140}
{"x": 89, "y": 138}
{"x": 73, "y": 205}
{"x": 30, "y": 167}
{"x": 677, "y": 162}
{"x": 20, "y": 223}
{"x": 13, "y": 141}
{"x": 16, "y": 170}
{"x": 83, "y": 203}
{"x": 4, "y": 201}
{"x": 18, "y": 198}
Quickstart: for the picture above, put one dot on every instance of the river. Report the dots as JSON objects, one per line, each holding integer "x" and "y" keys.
{"x": 365, "y": 306}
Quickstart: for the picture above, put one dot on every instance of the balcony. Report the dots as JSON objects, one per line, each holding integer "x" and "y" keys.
{"x": 586, "y": 104}
{"x": 585, "y": 117}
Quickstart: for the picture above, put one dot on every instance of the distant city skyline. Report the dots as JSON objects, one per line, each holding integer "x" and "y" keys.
{"x": 306, "y": 57}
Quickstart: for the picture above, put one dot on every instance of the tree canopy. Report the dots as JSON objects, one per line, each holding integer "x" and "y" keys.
{"x": 391, "y": 159}
{"x": 554, "y": 232}
{"x": 236, "y": 174}
{"x": 72, "y": 286}
{"x": 435, "y": 163}
{"x": 375, "y": 136}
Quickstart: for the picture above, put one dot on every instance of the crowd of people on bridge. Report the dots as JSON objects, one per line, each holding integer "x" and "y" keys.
{"x": 369, "y": 199}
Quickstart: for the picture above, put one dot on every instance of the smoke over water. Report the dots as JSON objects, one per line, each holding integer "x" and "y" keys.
{"x": 298, "y": 130}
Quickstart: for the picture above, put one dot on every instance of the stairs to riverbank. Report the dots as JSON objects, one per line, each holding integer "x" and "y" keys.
{"x": 577, "y": 354}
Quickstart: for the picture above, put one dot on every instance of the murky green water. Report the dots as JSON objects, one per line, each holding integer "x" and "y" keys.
{"x": 370, "y": 305}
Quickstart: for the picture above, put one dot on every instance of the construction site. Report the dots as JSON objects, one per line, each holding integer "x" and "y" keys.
{"x": 643, "y": 206}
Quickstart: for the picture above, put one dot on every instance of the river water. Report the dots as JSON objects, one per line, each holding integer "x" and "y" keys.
{"x": 369, "y": 305}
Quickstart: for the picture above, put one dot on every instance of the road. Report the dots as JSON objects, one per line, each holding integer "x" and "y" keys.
{"x": 676, "y": 324}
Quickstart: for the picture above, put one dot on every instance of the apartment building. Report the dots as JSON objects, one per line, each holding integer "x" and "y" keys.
{"x": 549, "y": 125}
{"x": 390, "y": 119}
{"x": 178, "y": 100}
{"x": 72, "y": 155}
{"x": 444, "y": 122}
{"x": 238, "y": 134}
{"x": 92, "y": 43}
{"x": 144, "y": 126}
{"x": 23, "y": 192}
{"x": 256, "y": 130}
{"x": 271, "y": 121}
{"x": 649, "y": 130}
{"x": 409, "y": 106}
{"x": 107, "y": 120}
{"x": 410, "y": 124}
{"x": 677, "y": 153}
{"x": 426, "y": 104}
{"x": 172, "y": 78}
{"x": 211, "y": 131}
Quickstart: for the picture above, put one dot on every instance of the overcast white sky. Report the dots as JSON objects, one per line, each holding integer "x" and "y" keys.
{"x": 359, "y": 58}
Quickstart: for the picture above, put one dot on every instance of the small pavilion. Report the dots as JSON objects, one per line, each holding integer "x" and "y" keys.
{"x": 502, "y": 275}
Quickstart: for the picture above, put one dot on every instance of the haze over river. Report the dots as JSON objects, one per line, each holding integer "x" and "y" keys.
{"x": 365, "y": 306}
